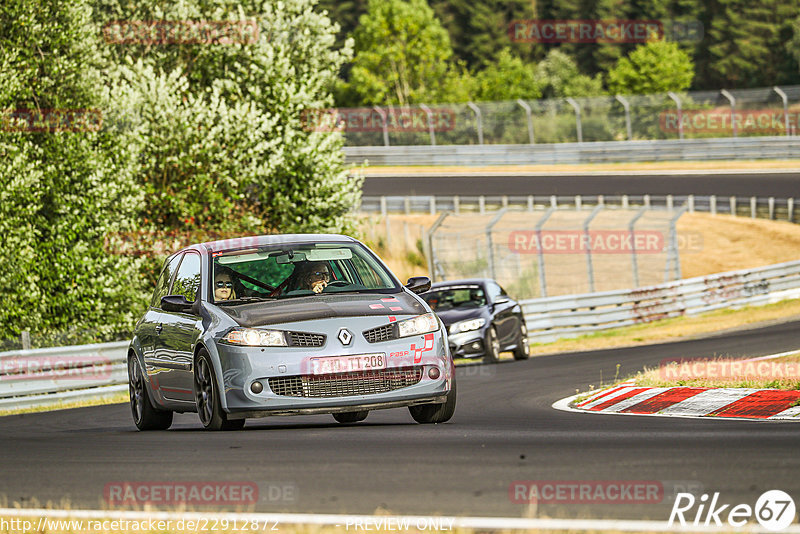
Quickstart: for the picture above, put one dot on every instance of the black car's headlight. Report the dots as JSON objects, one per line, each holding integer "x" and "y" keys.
{"x": 255, "y": 338}
{"x": 421, "y": 324}
{"x": 466, "y": 326}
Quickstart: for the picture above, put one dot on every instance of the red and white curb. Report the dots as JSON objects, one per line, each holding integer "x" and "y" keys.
{"x": 719, "y": 403}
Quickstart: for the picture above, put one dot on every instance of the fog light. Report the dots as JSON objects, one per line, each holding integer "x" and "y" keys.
{"x": 476, "y": 346}
{"x": 433, "y": 373}
{"x": 256, "y": 387}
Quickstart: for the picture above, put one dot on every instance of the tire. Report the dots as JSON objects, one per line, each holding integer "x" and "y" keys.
{"x": 350, "y": 417}
{"x": 436, "y": 413}
{"x": 523, "y": 350}
{"x": 145, "y": 416}
{"x": 206, "y": 395}
{"x": 492, "y": 346}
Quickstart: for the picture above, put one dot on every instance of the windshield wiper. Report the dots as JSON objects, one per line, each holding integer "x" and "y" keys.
{"x": 242, "y": 300}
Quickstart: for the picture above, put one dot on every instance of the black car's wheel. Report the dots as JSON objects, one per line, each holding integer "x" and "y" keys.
{"x": 492, "y": 345}
{"x": 351, "y": 417}
{"x": 436, "y": 413}
{"x": 206, "y": 394}
{"x": 523, "y": 350}
{"x": 144, "y": 415}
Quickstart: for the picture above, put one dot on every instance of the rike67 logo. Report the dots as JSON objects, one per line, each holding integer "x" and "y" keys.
{"x": 774, "y": 510}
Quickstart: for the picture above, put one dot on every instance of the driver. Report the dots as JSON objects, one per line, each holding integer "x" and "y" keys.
{"x": 223, "y": 284}
{"x": 314, "y": 276}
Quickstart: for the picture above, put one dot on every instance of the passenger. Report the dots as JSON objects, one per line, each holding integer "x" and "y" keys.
{"x": 223, "y": 284}
{"x": 314, "y": 276}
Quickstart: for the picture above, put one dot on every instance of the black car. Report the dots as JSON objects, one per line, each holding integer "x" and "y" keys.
{"x": 481, "y": 318}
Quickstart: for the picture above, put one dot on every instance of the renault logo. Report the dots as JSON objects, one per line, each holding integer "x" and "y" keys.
{"x": 345, "y": 336}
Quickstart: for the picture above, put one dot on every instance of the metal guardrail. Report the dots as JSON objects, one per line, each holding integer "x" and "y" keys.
{"x": 565, "y": 316}
{"x": 755, "y": 207}
{"x": 44, "y": 377}
{"x": 579, "y": 153}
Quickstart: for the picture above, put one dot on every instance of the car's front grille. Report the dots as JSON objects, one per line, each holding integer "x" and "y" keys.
{"x": 346, "y": 384}
{"x": 305, "y": 339}
{"x": 381, "y": 333}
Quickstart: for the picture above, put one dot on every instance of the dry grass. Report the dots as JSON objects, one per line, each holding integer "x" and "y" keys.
{"x": 119, "y": 398}
{"x": 598, "y": 167}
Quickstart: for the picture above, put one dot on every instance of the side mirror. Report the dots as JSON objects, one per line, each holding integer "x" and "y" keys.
{"x": 175, "y": 303}
{"x": 418, "y": 284}
{"x": 501, "y": 300}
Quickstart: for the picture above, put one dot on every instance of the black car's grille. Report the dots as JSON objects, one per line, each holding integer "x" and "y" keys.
{"x": 305, "y": 339}
{"x": 346, "y": 384}
{"x": 381, "y": 333}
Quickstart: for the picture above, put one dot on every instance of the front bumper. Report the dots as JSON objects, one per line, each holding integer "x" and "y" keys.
{"x": 468, "y": 344}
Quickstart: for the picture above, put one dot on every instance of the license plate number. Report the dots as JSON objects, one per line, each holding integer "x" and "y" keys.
{"x": 345, "y": 364}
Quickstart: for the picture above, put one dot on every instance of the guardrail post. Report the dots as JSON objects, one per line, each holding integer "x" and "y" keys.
{"x": 26, "y": 340}
{"x": 429, "y": 113}
{"x": 790, "y": 209}
{"x": 732, "y": 100}
{"x": 530, "y": 202}
{"x": 407, "y": 205}
{"x": 431, "y": 250}
{"x": 753, "y": 207}
{"x": 669, "y": 203}
{"x": 504, "y": 201}
{"x": 627, "y": 108}
{"x": 479, "y": 118}
{"x": 690, "y": 200}
{"x": 482, "y": 205}
{"x": 647, "y": 201}
{"x": 578, "y": 202}
{"x": 634, "y": 259}
{"x": 553, "y": 201}
{"x": 456, "y": 205}
{"x": 490, "y": 241}
{"x": 733, "y": 206}
{"x": 601, "y": 201}
{"x": 578, "y": 126}
{"x": 771, "y": 201}
{"x": 624, "y": 202}
{"x": 677, "y": 101}
{"x": 785, "y": 107}
{"x": 383, "y": 206}
{"x": 540, "y": 252}
{"x": 587, "y": 239}
{"x": 384, "y": 125}
{"x": 713, "y": 201}
{"x": 433, "y": 204}
{"x": 527, "y": 109}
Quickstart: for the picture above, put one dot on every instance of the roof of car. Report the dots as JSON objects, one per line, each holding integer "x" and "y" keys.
{"x": 466, "y": 281}
{"x": 275, "y": 239}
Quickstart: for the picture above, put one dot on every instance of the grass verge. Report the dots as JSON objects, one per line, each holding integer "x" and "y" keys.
{"x": 119, "y": 398}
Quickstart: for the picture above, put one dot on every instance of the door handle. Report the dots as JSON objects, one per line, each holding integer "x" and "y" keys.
{"x": 159, "y": 328}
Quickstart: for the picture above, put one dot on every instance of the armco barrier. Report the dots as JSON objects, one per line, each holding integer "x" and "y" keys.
{"x": 552, "y": 318}
{"x": 43, "y": 377}
{"x": 577, "y": 153}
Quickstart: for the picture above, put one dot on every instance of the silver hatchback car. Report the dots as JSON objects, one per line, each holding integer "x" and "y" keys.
{"x": 286, "y": 325}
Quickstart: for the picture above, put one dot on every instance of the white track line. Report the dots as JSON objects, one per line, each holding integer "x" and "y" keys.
{"x": 448, "y": 523}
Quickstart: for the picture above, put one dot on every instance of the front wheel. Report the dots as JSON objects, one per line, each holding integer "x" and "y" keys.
{"x": 144, "y": 415}
{"x": 492, "y": 346}
{"x": 350, "y": 417}
{"x": 206, "y": 394}
{"x": 436, "y": 413}
{"x": 523, "y": 350}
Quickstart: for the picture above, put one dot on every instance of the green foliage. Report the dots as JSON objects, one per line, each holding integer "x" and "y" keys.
{"x": 655, "y": 67}
{"x": 509, "y": 78}
{"x": 558, "y": 76}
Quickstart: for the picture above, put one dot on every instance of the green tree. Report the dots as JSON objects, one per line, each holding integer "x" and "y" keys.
{"x": 63, "y": 187}
{"x": 655, "y": 67}
{"x": 403, "y": 55}
{"x": 508, "y": 78}
{"x": 558, "y": 76}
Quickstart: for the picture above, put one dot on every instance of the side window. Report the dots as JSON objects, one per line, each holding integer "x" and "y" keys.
{"x": 163, "y": 283}
{"x": 494, "y": 291}
{"x": 188, "y": 278}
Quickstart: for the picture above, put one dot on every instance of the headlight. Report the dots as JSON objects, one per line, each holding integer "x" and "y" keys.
{"x": 421, "y": 324}
{"x": 255, "y": 338}
{"x": 466, "y": 326}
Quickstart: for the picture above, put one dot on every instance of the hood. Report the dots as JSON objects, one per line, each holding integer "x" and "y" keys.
{"x": 455, "y": 315}
{"x": 323, "y": 307}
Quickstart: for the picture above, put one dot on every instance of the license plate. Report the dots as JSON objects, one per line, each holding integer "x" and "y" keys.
{"x": 345, "y": 364}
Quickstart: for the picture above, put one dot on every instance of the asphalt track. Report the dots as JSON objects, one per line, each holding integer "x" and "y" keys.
{"x": 504, "y": 430}
{"x": 767, "y": 184}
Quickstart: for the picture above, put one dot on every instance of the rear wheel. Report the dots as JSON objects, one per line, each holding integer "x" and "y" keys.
{"x": 492, "y": 346}
{"x": 523, "y": 350}
{"x": 436, "y": 413}
{"x": 144, "y": 415}
{"x": 207, "y": 397}
{"x": 351, "y": 417}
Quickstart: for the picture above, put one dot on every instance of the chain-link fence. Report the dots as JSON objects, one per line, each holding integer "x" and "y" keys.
{"x": 560, "y": 251}
{"x": 767, "y": 111}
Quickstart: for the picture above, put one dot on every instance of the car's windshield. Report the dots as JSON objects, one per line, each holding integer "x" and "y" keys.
{"x": 286, "y": 271}
{"x": 464, "y": 296}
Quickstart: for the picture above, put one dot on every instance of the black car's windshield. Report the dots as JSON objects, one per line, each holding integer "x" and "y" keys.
{"x": 286, "y": 271}
{"x": 447, "y": 298}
